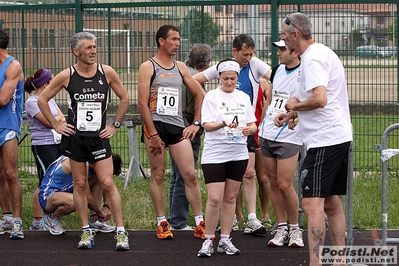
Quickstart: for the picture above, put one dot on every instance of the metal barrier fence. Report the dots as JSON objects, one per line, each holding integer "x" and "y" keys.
{"x": 126, "y": 32}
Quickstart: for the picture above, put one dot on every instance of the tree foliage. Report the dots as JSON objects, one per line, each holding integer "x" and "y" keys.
{"x": 389, "y": 31}
{"x": 199, "y": 27}
{"x": 356, "y": 39}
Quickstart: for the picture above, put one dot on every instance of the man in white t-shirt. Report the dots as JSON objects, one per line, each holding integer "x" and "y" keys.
{"x": 321, "y": 102}
{"x": 251, "y": 70}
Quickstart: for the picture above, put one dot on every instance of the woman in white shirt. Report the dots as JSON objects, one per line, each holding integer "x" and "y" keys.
{"x": 228, "y": 119}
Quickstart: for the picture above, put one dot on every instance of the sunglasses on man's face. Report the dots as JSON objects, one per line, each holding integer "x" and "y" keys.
{"x": 289, "y": 22}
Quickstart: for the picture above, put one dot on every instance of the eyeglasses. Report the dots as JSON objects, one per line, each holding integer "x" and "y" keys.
{"x": 288, "y": 22}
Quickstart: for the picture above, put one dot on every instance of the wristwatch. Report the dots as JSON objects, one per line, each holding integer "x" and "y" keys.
{"x": 196, "y": 123}
{"x": 116, "y": 124}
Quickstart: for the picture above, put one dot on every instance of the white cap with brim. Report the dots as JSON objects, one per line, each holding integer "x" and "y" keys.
{"x": 279, "y": 44}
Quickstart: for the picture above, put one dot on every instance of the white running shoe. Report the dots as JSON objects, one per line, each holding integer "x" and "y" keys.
{"x": 86, "y": 239}
{"x": 206, "y": 249}
{"x": 254, "y": 226}
{"x": 54, "y": 225}
{"x": 102, "y": 227}
{"x": 227, "y": 247}
{"x": 280, "y": 236}
{"x": 6, "y": 225}
{"x": 295, "y": 238}
{"x": 122, "y": 243}
{"x": 235, "y": 226}
{"x": 186, "y": 228}
{"x": 17, "y": 231}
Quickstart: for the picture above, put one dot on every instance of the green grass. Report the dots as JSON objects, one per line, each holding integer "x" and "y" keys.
{"x": 138, "y": 211}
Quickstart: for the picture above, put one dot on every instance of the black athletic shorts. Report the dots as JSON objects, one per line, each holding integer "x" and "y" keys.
{"x": 170, "y": 134}
{"x": 219, "y": 172}
{"x": 84, "y": 149}
{"x": 251, "y": 143}
{"x": 324, "y": 171}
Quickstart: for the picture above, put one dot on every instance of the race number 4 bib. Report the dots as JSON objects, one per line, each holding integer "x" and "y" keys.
{"x": 89, "y": 116}
{"x": 235, "y": 115}
{"x": 168, "y": 101}
{"x": 277, "y": 105}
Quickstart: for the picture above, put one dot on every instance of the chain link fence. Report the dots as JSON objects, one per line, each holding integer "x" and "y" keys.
{"x": 40, "y": 33}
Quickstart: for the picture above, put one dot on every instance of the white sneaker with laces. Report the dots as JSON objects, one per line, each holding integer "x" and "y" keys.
{"x": 54, "y": 225}
{"x": 254, "y": 226}
{"x": 86, "y": 239}
{"x": 235, "y": 226}
{"x": 102, "y": 227}
{"x": 280, "y": 236}
{"x": 6, "y": 225}
{"x": 295, "y": 238}
{"x": 17, "y": 231}
{"x": 186, "y": 228}
{"x": 227, "y": 247}
{"x": 122, "y": 243}
{"x": 206, "y": 249}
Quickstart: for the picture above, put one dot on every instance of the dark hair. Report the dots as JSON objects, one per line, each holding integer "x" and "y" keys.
{"x": 199, "y": 55}
{"x": 117, "y": 161}
{"x": 163, "y": 32}
{"x": 4, "y": 39}
{"x": 241, "y": 40}
{"x": 28, "y": 85}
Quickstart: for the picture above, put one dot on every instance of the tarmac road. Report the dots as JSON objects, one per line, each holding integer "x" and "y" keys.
{"x": 41, "y": 248}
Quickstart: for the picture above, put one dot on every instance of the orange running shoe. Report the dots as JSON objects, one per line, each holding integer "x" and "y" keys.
{"x": 199, "y": 231}
{"x": 163, "y": 231}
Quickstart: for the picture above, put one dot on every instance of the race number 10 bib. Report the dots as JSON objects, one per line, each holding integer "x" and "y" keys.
{"x": 89, "y": 116}
{"x": 277, "y": 105}
{"x": 168, "y": 101}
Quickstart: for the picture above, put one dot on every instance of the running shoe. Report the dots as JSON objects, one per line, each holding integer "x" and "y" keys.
{"x": 235, "y": 226}
{"x": 295, "y": 238}
{"x": 206, "y": 249}
{"x": 267, "y": 223}
{"x": 122, "y": 241}
{"x": 86, "y": 239}
{"x": 54, "y": 225}
{"x": 6, "y": 225}
{"x": 186, "y": 228}
{"x": 254, "y": 226}
{"x": 38, "y": 225}
{"x": 280, "y": 236}
{"x": 102, "y": 227}
{"x": 199, "y": 231}
{"x": 227, "y": 247}
{"x": 16, "y": 232}
{"x": 163, "y": 231}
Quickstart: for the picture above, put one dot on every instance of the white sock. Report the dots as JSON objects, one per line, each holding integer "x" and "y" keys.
{"x": 251, "y": 216}
{"x": 198, "y": 219}
{"x": 283, "y": 225}
{"x": 161, "y": 219}
{"x": 294, "y": 226}
{"x": 223, "y": 238}
{"x": 120, "y": 229}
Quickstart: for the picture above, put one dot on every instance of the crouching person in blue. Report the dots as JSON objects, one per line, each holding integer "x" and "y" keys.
{"x": 56, "y": 196}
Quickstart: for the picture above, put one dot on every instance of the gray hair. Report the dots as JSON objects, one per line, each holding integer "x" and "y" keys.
{"x": 75, "y": 39}
{"x": 299, "y": 22}
{"x": 199, "y": 55}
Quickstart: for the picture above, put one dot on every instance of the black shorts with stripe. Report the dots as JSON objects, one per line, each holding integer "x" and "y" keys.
{"x": 324, "y": 171}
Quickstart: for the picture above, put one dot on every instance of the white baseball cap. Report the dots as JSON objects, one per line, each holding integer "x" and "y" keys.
{"x": 279, "y": 44}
